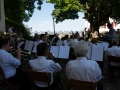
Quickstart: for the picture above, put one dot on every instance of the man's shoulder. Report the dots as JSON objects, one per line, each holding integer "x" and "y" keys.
{"x": 72, "y": 62}
{"x": 3, "y": 52}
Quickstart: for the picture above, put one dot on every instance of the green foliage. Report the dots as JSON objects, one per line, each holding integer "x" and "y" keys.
{"x": 25, "y": 32}
{"x": 97, "y": 12}
{"x": 66, "y": 9}
{"x": 20, "y": 10}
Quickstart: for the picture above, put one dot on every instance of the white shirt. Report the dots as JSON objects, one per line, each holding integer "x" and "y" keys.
{"x": 40, "y": 41}
{"x": 8, "y": 63}
{"x": 35, "y": 45}
{"x": 10, "y": 30}
{"x": 41, "y": 64}
{"x": 66, "y": 43}
{"x": 113, "y": 51}
{"x": 59, "y": 43}
{"x": 70, "y": 40}
{"x": 83, "y": 69}
{"x": 73, "y": 42}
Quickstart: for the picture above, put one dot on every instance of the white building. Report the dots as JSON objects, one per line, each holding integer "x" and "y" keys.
{"x": 2, "y": 17}
{"x": 104, "y": 28}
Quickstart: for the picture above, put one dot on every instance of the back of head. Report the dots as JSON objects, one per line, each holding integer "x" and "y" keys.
{"x": 42, "y": 36}
{"x": 41, "y": 49}
{"x": 94, "y": 40}
{"x": 81, "y": 49}
{"x": 66, "y": 36}
{"x": 3, "y": 41}
{"x": 109, "y": 25}
{"x": 115, "y": 42}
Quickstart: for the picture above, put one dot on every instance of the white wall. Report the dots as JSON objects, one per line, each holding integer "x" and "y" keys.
{"x": 2, "y": 17}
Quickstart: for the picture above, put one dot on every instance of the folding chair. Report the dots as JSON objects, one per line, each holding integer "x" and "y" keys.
{"x": 80, "y": 85}
{"x": 39, "y": 76}
{"x": 11, "y": 87}
{"x": 115, "y": 60}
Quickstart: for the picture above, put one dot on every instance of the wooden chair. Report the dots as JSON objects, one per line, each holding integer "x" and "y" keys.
{"x": 11, "y": 87}
{"x": 115, "y": 60}
{"x": 39, "y": 76}
{"x": 80, "y": 85}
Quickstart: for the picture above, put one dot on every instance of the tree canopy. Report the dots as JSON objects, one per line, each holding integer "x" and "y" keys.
{"x": 20, "y": 10}
{"x": 66, "y": 9}
{"x": 96, "y": 12}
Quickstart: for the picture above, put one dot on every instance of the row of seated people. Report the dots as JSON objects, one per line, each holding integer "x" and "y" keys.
{"x": 80, "y": 69}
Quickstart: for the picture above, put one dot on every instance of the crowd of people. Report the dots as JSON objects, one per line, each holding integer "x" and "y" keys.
{"x": 82, "y": 68}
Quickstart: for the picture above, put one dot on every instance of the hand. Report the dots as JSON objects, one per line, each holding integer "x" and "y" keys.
{"x": 50, "y": 56}
{"x": 19, "y": 51}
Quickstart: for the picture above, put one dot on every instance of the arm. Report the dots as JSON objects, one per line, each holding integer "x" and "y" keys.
{"x": 19, "y": 54}
{"x": 55, "y": 66}
{"x": 112, "y": 34}
{"x": 97, "y": 72}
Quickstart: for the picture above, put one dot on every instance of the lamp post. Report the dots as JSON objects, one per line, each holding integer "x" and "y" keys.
{"x": 54, "y": 24}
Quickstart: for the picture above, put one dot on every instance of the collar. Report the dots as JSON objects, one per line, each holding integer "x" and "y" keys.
{"x": 3, "y": 50}
{"x": 41, "y": 58}
{"x": 114, "y": 46}
{"x": 81, "y": 58}
{"x": 76, "y": 39}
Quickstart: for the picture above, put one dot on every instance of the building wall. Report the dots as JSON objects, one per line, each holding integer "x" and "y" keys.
{"x": 2, "y": 17}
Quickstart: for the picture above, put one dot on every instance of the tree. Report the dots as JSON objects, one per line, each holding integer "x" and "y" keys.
{"x": 66, "y": 9}
{"x": 96, "y": 12}
{"x": 20, "y": 10}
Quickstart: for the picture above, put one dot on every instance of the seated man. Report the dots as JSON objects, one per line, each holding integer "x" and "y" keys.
{"x": 83, "y": 69}
{"x": 11, "y": 65}
{"x": 41, "y": 64}
{"x": 113, "y": 51}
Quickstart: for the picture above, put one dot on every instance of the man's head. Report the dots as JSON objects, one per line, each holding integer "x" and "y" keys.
{"x": 42, "y": 49}
{"x": 109, "y": 25}
{"x": 81, "y": 49}
{"x": 94, "y": 40}
{"x": 77, "y": 36}
{"x": 11, "y": 26}
{"x": 115, "y": 42}
{"x": 66, "y": 37}
{"x": 43, "y": 37}
{"x": 4, "y": 44}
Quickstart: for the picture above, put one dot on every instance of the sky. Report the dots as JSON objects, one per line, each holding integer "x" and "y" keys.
{"x": 42, "y": 21}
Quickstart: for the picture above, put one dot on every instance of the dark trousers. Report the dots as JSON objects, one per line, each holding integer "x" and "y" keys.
{"x": 99, "y": 86}
{"x": 112, "y": 68}
{"x": 56, "y": 80}
{"x": 19, "y": 77}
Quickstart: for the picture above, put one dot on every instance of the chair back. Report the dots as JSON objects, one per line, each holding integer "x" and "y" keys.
{"x": 113, "y": 59}
{"x": 39, "y": 76}
{"x": 4, "y": 79}
{"x": 80, "y": 85}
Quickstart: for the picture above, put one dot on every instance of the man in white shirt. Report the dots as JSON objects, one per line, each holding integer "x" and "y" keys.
{"x": 81, "y": 68}
{"x": 113, "y": 51}
{"x": 11, "y": 65}
{"x": 66, "y": 41}
{"x": 42, "y": 39}
{"x": 41, "y": 64}
{"x": 10, "y": 29}
{"x": 74, "y": 41}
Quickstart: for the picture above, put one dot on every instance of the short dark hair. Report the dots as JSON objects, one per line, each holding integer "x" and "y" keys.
{"x": 3, "y": 41}
{"x": 42, "y": 35}
{"x": 41, "y": 48}
{"x": 109, "y": 24}
{"x": 66, "y": 36}
{"x": 115, "y": 42}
